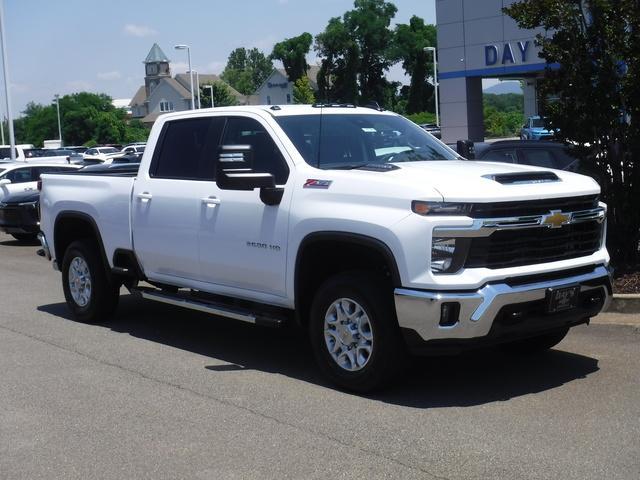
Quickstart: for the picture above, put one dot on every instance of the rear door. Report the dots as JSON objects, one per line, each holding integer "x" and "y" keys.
{"x": 167, "y": 207}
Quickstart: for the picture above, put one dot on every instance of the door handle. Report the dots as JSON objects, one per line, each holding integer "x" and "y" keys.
{"x": 211, "y": 201}
{"x": 144, "y": 196}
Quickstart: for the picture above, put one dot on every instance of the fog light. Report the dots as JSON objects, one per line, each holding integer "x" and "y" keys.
{"x": 442, "y": 250}
{"x": 449, "y": 314}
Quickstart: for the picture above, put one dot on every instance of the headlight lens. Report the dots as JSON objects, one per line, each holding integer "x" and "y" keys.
{"x": 440, "y": 208}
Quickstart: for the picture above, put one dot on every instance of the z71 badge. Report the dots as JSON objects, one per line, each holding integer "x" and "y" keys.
{"x": 314, "y": 183}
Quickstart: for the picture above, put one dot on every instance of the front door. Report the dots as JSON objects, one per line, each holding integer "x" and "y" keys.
{"x": 243, "y": 242}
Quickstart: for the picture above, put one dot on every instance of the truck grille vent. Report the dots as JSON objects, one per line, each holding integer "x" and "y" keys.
{"x": 529, "y": 246}
{"x": 534, "y": 207}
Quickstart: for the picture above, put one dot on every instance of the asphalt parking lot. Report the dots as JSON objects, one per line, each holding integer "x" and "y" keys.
{"x": 166, "y": 393}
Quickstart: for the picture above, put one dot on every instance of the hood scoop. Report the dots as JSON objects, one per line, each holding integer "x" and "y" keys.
{"x": 523, "y": 177}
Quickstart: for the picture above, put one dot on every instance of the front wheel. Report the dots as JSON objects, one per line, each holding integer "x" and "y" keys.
{"x": 90, "y": 294}
{"x": 354, "y": 333}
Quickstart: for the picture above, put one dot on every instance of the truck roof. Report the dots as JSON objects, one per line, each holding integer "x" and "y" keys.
{"x": 286, "y": 110}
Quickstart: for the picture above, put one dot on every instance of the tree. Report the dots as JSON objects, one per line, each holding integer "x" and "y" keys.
{"x": 593, "y": 55}
{"x": 302, "y": 91}
{"x": 356, "y": 51}
{"x": 292, "y": 52}
{"x": 408, "y": 46}
{"x": 85, "y": 117}
{"x": 246, "y": 70}
{"x": 222, "y": 96}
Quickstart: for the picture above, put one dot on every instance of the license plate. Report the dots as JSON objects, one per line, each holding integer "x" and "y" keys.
{"x": 562, "y": 298}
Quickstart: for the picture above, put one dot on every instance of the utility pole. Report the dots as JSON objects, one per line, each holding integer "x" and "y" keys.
{"x": 5, "y": 67}
{"x": 57, "y": 98}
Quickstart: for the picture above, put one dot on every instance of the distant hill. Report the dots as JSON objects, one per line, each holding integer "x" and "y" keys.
{"x": 501, "y": 88}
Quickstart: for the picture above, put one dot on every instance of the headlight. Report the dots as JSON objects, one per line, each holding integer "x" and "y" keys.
{"x": 440, "y": 208}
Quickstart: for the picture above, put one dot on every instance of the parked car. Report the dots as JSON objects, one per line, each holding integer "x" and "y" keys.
{"x": 134, "y": 148}
{"x": 20, "y": 177}
{"x": 5, "y": 152}
{"x": 375, "y": 244}
{"x": 19, "y": 215}
{"x": 432, "y": 128}
{"x": 535, "y": 129}
{"x": 103, "y": 153}
{"x": 528, "y": 152}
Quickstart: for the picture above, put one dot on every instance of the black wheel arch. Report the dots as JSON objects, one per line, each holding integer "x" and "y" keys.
{"x": 72, "y": 225}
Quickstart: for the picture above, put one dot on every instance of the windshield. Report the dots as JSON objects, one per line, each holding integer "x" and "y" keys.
{"x": 537, "y": 123}
{"x": 333, "y": 141}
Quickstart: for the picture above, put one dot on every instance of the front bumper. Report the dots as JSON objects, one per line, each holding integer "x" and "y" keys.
{"x": 499, "y": 311}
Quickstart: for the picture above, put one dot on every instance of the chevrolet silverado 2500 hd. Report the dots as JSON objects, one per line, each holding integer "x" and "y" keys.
{"x": 353, "y": 222}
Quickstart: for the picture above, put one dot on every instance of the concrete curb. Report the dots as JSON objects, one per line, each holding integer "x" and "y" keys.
{"x": 625, "y": 303}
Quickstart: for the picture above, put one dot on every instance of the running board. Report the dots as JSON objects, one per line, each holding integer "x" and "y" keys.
{"x": 227, "y": 311}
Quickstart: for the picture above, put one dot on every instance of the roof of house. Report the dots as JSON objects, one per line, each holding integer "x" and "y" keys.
{"x": 156, "y": 55}
{"x": 139, "y": 98}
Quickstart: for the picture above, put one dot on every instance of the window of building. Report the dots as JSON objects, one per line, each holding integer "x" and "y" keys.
{"x": 266, "y": 154}
{"x": 166, "y": 106}
{"x": 288, "y": 98}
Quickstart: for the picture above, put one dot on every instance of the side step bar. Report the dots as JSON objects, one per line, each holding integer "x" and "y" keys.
{"x": 222, "y": 310}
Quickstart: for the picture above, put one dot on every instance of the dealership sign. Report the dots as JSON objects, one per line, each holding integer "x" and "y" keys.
{"x": 506, "y": 54}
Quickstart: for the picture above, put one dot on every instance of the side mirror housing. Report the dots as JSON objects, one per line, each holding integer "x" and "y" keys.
{"x": 5, "y": 181}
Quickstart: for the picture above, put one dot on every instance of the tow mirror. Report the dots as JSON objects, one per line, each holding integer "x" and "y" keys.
{"x": 234, "y": 171}
{"x": 5, "y": 181}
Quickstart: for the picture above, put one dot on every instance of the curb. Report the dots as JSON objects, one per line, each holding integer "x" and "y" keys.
{"x": 625, "y": 303}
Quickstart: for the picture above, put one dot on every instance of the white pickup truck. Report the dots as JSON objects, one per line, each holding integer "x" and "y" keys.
{"x": 354, "y": 223}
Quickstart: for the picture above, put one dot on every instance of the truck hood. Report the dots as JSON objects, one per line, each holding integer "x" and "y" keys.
{"x": 472, "y": 181}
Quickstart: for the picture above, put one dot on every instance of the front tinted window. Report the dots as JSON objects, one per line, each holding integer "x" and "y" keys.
{"x": 21, "y": 175}
{"x": 352, "y": 140}
{"x": 501, "y": 155}
{"x": 537, "y": 123}
{"x": 266, "y": 154}
{"x": 188, "y": 149}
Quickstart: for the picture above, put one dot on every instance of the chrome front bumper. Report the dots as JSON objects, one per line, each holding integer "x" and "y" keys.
{"x": 420, "y": 310}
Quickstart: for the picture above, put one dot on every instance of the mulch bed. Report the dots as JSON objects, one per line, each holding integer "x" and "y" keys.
{"x": 627, "y": 283}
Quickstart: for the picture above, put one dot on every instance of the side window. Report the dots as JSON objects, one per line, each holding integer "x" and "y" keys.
{"x": 188, "y": 149}
{"x": 502, "y": 155}
{"x": 539, "y": 157}
{"x": 21, "y": 175}
{"x": 266, "y": 154}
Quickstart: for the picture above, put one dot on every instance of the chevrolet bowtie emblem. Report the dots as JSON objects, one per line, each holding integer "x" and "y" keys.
{"x": 556, "y": 219}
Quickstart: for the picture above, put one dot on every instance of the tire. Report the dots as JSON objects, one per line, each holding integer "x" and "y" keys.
{"x": 98, "y": 302}
{"x": 537, "y": 344}
{"x": 379, "y": 351}
{"x": 25, "y": 237}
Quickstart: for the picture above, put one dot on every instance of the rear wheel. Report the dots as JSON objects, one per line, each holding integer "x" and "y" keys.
{"x": 25, "y": 237}
{"x": 354, "y": 333}
{"x": 91, "y": 295}
{"x": 537, "y": 344}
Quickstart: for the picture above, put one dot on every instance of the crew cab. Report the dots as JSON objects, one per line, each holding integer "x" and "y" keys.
{"x": 354, "y": 223}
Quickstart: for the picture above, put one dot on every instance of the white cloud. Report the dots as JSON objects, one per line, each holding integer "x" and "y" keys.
{"x": 266, "y": 43}
{"x": 215, "y": 67}
{"x": 138, "y": 30}
{"x": 19, "y": 87}
{"x": 179, "y": 67}
{"x": 113, "y": 75}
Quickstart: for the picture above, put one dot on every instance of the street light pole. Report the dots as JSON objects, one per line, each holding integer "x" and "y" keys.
{"x": 210, "y": 87}
{"x": 188, "y": 49}
{"x": 57, "y": 97}
{"x": 5, "y": 66}
{"x": 435, "y": 81}
{"x": 198, "y": 87}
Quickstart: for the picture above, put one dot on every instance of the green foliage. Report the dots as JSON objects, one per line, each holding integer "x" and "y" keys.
{"x": 246, "y": 70}
{"x": 355, "y": 51}
{"x": 422, "y": 117}
{"x": 408, "y": 46}
{"x": 302, "y": 91}
{"x": 503, "y": 114}
{"x": 292, "y": 52}
{"x": 85, "y": 117}
{"x": 597, "y": 108}
{"x": 222, "y": 96}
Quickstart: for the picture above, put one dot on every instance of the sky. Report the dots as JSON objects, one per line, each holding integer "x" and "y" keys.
{"x": 66, "y": 46}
